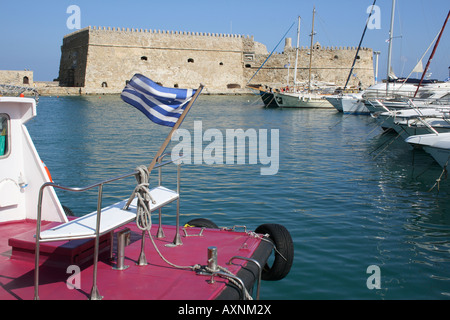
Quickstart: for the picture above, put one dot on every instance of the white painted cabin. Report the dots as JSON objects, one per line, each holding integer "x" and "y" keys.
{"x": 22, "y": 172}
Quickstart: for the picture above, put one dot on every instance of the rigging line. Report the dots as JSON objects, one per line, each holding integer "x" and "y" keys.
{"x": 356, "y": 140}
{"x": 323, "y": 29}
{"x": 258, "y": 98}
{"x": 421, "y": 58}
{"x": 438, "y": 180}
{"x": 271, "y": 52}
{"x": 359, "y": 45}
{"x": 431, "y": 164}
{"x": 381, "y": 145}
{"x": 386, "y": 141}
{"x": 392, "y": 140}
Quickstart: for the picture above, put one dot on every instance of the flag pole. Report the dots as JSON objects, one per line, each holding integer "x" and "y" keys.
{"x": 175, "y": 127}
{"x": 168, "y": 138}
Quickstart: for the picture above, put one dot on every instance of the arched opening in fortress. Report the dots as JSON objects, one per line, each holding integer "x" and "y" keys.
{"x": 190, "y": 60}
{"x": 26, "y": 80}
{"x": 104, "y": 84}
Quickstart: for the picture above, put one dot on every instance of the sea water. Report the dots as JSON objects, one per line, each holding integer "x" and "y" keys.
{"x": 367, "y": 218}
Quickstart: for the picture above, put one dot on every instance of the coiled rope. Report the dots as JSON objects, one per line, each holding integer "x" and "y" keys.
{"x": 143, "y": 214}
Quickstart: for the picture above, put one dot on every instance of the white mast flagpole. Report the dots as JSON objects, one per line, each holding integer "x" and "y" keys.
{"x": 391, "y": 31}
{"x": 296, "y": 57}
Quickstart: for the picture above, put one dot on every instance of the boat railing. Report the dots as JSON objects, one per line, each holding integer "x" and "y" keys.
{"x": 387, "y": 94}
{"x": 94, "y": 292}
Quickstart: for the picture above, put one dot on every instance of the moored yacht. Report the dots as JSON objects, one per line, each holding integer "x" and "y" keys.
{"x": 348, "y": 103}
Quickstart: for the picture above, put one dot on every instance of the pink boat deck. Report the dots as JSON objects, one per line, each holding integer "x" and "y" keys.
{"x": 156, "y": 281}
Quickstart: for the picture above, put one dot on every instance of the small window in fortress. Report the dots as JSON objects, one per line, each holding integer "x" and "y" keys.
{"x": 190, "y": 60}
{"x": 144, "y": 58}
{"x": 104, "y": 84}
{"x": 249, "y": 57}
{"x": 220, "y": 63}
{"x": 336, "y": 57}
{"x": 26, "y": 80}
{"x": 248, "y": 65}
{"x": 175, "y": 85}
{"x": 4, "y": 141}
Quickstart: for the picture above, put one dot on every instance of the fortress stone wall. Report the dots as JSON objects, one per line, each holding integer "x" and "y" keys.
{"x": 100, "y": 59}
{"x": 17, "y": 77}
{"x": 328, "y": 64}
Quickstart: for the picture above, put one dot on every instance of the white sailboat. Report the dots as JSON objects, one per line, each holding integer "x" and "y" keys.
{"x": 307, "y": 97}
{"x": 397, "y": 92}
{"x": 350, "y": 101}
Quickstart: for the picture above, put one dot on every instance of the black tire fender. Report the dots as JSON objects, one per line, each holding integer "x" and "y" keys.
{"x": 202, "y": 223}
{"x": 284, "y": 253}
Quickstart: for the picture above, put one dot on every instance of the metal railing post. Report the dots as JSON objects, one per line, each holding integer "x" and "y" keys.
{"x": 160, "y": 233}
{"x": 177, "y": 240}
{"x": 94, "y": 292}
{"x": 38, "y": 235}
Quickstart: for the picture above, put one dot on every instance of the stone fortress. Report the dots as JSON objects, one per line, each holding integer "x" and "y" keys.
{"x": 100, "y": 60}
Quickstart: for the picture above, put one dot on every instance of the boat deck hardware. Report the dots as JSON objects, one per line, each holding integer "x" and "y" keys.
{"x": 92, "y": 226}
{"x": 258, "y": 286}
{"x": 200, "y": 234}
{"x": 123, "y": 239}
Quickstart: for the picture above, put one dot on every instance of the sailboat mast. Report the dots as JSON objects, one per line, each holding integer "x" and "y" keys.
{"x": 311, "y": 50}
{"x": 359, "y": 46}
{"x": 296, "y": 56}
{"x": 391, "y": 30}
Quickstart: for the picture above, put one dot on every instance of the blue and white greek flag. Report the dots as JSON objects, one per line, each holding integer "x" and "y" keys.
{"x": 160, "y": 104}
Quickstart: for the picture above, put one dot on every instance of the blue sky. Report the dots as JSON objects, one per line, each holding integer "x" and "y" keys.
{"x": 32, "y": 31}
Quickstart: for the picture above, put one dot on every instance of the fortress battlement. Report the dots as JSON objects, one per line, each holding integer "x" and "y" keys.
{"x": 162, "y": 32}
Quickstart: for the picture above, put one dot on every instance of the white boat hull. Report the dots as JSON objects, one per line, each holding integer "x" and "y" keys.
{"x": 348, "y": 104}
{"x": 437, "y": 145}
{"x": 292, "y": 100}
{"x": 441, "y": 156}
